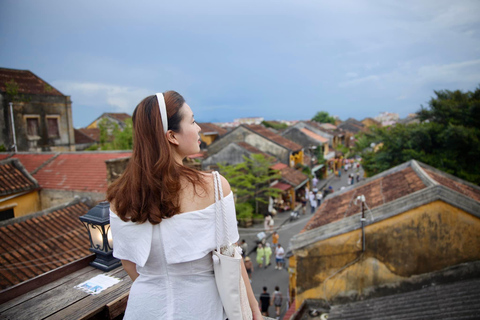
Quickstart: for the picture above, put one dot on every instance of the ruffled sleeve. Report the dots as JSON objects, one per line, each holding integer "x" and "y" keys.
{"x": 191, "y": 235}
{"x": 131, "y": 241}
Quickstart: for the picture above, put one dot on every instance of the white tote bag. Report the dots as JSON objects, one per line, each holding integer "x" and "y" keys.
{"x": 227, "y": 264}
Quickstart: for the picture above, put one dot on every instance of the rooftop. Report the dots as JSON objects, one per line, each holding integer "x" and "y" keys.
{"x": 272, "y": 136}
{"x": 210, "y": 128}
{"x": 14, "y": 178}
{"x": 28, "y": 83}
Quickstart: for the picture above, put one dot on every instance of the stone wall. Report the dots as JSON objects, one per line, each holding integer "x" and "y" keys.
{"x": 50, "y": 198}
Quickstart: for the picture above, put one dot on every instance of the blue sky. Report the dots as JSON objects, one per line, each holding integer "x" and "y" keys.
{"x": 229, "y": 59}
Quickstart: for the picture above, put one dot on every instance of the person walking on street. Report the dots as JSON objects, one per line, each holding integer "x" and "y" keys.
{"x": 268, "y": 223}
{"x": 319, "y": 198}
{"x": 249, "y": 267}
{"x": 313, "y": 202}
{"x": 275, "y": 237}
{"x": 264, "y": 301}
{"x": 279, "y": 257}
{"x": 260, "y": 255}
{"x": 277, "y": 300}
{"x": 244, "y": 247}
{"x": 304, "y": 205}
{"x": 268, "y": 254}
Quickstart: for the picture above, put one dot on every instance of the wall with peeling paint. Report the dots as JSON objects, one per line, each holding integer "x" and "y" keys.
{"x": 429, "y": 238}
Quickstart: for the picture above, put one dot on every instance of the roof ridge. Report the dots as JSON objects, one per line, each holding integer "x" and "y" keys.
{"x": 429, "y": 181}
{"x": 45, "y": 163}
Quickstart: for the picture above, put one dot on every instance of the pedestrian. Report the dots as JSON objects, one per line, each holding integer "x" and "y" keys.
{"x": 349, "y": 181}
{"x": 277, "y": 300}
{"x": 260, "y": 255}
{"x": 264, "y": 301}
{"x": 279, "y": 257}
{"x": 267, "y": 224}
{"x": 313, "y": 202}
{"x": 319, "y": 198}
{"x": 159, "y": 208}
{"x": 244, "y": 247}
{"x": 358, "y": 177}
{"x": 304, "y": 204}
{"x": 249, "y": 267}
{"x": 275, "y": 237}
{"x": 268, "y": 254}
{"x": 314, "y": 181}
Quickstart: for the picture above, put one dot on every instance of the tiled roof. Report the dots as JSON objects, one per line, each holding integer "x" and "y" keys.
{"x": 77, "y": 171}
{"x": 463, "y": 188}
{"x": 210, "y": 128}
{"x": 37, "y": 245}
{"x": 459, "y": 300}
{"x": 32, "y": 161}
{"x": 85, "y": 135}
{"x": 292, "y": 176}
{"x": 282, "y": 186}
{"x": 14, "y": 178}
{"x": 254, "y": 150}
{"x": 5, "y": 156}
{"x": 328, "y": 126}
{"x": 278, "y": 166}
{"x": 314, "y": 136}
{"x": 28, "y": 83}
{"x": 270, "y": 135}
{"x": 377, "y": 192}
{"x": 119, "y": 116}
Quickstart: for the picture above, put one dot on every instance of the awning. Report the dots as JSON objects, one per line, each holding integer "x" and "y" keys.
{"x": 301, "y": 184}
{"x": 282, "y": 186}
{"x": 317, "y": 167}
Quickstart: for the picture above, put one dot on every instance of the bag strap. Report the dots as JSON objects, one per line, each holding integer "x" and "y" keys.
{"x": 220, "y": 211}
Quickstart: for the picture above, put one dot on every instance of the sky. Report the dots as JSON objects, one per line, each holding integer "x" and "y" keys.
{"x": 280, "y": 60}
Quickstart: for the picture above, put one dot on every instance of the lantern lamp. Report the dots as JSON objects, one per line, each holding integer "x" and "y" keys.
{"x": 97, "y": 222}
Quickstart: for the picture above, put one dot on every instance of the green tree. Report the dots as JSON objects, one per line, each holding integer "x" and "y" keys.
{"x": 447, "y": 138}
{"x": 323, "y": 117}
{"x": 250, "y": 180}
{"x": 112, "y": 138}
{"x": 275, "y": 125}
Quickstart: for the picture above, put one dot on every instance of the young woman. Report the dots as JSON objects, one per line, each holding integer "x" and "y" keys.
{"x": 163, "y": 218}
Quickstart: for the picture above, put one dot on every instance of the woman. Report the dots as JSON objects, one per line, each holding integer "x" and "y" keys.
{"x": 163, "y": 218}
{"x": 249, "y": 267}
{"x": 260, "y": 255}
{"x": 268, "y": 254}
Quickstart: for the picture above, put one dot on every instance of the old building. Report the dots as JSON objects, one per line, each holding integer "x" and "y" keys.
{"x": 85, "y": 138}
{"x": 421, "y": 229}
{"x": 210, "y": 132}
{"x": 42, "y": 115}
{"x": 286, "y": 151}
{"x": 111, "y": 119}
{"x": 19, "y": 191}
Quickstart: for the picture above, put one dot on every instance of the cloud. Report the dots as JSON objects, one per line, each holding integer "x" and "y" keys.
{"x": 461, "y": 72}
{"x": 120, "y": 98}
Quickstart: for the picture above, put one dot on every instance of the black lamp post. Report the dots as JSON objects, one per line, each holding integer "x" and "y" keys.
{"x": 97, "y": 222}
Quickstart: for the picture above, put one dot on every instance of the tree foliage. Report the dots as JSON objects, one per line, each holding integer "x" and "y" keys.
{"x": 112, "y": 138}
{"x": 447, "y": 138}
{"x": 323, "y": 117}
{"x": 250, "y": 180}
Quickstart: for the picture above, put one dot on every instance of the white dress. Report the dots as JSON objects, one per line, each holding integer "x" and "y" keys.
{"x": 174, "y": 263}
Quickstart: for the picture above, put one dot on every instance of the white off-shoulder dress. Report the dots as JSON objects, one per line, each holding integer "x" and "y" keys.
{"x": 174, "y": 263}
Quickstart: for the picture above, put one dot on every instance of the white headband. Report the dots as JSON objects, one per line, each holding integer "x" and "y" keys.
{"x": 163, "y": 111}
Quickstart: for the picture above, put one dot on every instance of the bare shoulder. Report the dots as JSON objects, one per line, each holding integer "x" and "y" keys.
{"x": 208, "y": 176}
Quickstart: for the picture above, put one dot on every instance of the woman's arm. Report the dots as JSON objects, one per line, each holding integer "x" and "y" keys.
{"x": 130, "y": 268}
{"x": 254, "y": 305}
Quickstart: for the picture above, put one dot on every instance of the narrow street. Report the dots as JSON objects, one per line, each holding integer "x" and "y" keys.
{"x": 271, "y": 277}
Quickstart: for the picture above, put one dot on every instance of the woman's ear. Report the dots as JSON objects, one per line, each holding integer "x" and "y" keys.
{"x": 171, "y": 137}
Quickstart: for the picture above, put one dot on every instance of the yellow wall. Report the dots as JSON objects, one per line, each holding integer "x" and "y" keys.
{"x": 24, "y": 204}
{"x": 93, "y": 125}
{"x": 296, "y": 158}
{"x": 426, "y": 239}
{"x": 208, "y": 139}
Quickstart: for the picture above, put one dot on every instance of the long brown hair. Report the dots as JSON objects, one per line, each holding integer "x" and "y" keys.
{"x": 150, "y": 186}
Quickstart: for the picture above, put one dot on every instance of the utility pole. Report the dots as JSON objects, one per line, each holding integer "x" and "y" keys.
{"x": 13, "y": 127}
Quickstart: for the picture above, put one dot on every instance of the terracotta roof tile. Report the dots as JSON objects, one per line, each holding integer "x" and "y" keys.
{"x": 28, "y": 83}
{"x": 292, "y": 176}
{"x": 313, "y": 135}
{"x": 454, "y": 185}
{"x": 14, "y": 178}
{"x": 77, "y": 171}
{"x": 32, "y": 161}
{"x": 208, "y": 127}
{"x": 377, "y": 192}
{"x": 85, "y": 135}
{"x": 119, "y": 116}
{"x": 40, "y": 244}
{"x": 270, "y": 135}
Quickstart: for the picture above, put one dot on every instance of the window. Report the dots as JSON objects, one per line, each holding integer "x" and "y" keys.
{"x": 32, "y": 126}
{"x": 52, "y": 125}
{"x": 6, "y": 214}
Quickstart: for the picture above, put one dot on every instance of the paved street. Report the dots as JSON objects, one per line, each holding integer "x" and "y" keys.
{"x": 270, "y": 277}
